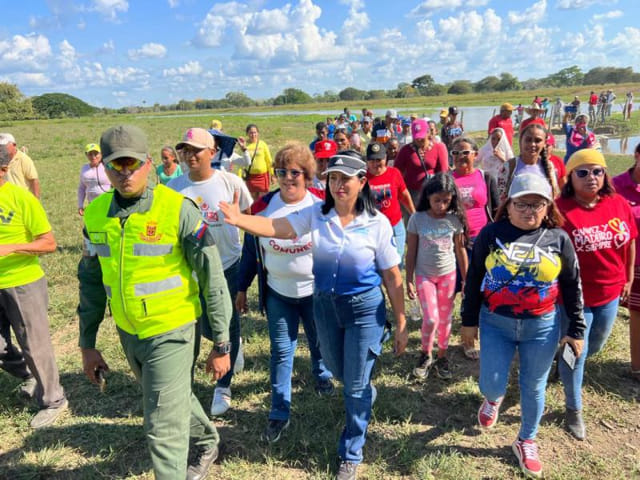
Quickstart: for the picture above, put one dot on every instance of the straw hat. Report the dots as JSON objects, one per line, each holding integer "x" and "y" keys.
{"x": 534, "y": 107}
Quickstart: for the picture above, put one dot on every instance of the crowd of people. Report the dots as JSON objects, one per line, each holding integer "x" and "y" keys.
{"x": 542, "y": 250}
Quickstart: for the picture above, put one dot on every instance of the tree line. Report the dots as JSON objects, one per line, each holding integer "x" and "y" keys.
{"x": 16, "y": 106}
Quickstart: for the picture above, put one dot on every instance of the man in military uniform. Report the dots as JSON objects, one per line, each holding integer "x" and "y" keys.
{"x": 147, "y": 242}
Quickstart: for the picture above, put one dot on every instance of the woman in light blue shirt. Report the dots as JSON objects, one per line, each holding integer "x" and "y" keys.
{"x": 353, "y": 254}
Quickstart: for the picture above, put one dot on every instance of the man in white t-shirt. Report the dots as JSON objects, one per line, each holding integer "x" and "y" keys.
{"x": 207, "y": 187}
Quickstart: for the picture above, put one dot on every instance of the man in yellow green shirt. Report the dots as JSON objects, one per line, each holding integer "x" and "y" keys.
{"x": 26, "y": 233}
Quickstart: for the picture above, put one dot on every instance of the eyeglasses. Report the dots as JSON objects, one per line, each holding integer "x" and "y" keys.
{"x": 132, "y": 164}
{"x": 584, "y": 172}
{"x": 187, "y": 152}
{"x": 534, "y": 207}
{"x": 282, "y": 172}
{"x": 461, "y": 152}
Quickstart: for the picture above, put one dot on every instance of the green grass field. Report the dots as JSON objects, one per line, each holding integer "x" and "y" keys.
{"x": 419, "y": 431}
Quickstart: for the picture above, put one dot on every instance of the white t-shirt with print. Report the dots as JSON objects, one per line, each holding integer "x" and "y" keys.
{"x": 207, "y": 194}
{"x": 289, "y": 262}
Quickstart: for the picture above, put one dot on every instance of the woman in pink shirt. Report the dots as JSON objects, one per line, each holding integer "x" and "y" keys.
{"x": 627, "y": 184}
{"x": 93, "y": 179}
{"x": 479, "y": 198}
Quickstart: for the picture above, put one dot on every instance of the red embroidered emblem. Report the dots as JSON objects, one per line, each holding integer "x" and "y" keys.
{"x": 150, "y": 234}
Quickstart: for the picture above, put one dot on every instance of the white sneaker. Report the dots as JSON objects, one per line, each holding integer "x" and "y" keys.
{"x": 221, "y": 401}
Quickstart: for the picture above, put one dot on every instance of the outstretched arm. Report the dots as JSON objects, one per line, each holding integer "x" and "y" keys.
{"x": 255, "y": 224}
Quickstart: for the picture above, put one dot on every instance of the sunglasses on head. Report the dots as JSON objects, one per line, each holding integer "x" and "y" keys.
{"x": 460, "y": 152}
{"x": 584, "y": 172}
{"x": 282, "y": 172}
{"x": 132, "y": 164}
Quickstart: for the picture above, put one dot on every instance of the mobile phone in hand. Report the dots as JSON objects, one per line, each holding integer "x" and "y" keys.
{"x": 569, "y": 356}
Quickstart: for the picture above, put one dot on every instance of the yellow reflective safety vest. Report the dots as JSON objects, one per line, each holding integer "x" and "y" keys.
{"x": 149, "y": 285}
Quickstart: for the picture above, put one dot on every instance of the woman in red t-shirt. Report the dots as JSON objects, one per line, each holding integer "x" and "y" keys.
{"x": 389, "y": 191}
{"x": 602, "y": 228}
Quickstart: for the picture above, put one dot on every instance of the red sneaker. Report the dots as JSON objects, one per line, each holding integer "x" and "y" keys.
{"x": 488, "y": 413}
{"x": 527, "y": 453}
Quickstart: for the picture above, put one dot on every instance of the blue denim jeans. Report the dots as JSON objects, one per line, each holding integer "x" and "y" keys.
{"x": 283, "y": 317}
{"x": 231, "y": 275}
{"x": 400, "y": 237}
{"x": 351, "y": 330}
{"x": 599, "y": 322}
{"x": 536, "y": 339}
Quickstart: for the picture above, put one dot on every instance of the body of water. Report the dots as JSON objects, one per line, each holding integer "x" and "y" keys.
{"x": 623, "y": 145}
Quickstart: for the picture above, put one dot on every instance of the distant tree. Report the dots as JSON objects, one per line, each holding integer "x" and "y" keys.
{"x": 375, "y": 94}
{"x": 13, "y": 104}
{"x": 351, "y": 93}
{"x": 238, "y": 99}
{"x": 403, "y": 90}
{"x": 508, "y": 82}
{"x": 58, "y": 105}
{"x": 327, "y": 97}
{"x": 532, "y": 84}
{"x": 603, "y": 75}
{"x": 292, "y": 96}
{"x": 423, "y": 84}
{"x": 434, "y": 90}
{"x": 566, "y": 77}
{"x": 185, "y": 105}
{"x": 460, "y": 87}
{"x": 487, "y": 84}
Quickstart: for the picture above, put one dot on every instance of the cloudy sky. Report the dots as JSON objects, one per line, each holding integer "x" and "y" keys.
{"x": 126, "y": 52}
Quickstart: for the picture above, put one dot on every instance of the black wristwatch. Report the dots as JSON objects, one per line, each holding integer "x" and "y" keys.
{"x": 222, "y": 347}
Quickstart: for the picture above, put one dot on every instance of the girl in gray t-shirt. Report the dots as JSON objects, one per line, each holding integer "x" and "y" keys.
{"x": 435, "y": 240}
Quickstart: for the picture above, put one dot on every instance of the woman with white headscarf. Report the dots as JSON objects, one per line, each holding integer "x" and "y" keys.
{"x": 494, "y": 153}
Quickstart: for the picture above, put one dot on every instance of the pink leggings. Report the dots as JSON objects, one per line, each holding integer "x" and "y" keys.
{"x": 436, "y": 296}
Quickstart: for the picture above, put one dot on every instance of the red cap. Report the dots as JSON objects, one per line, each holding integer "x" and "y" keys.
{"x": 325, "y": 149}
{"x": 551, "y": 140}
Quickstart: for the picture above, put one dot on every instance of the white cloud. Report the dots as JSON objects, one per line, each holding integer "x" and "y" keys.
{"x": 107, "y": 47}
{"x": 125, "y": 75}
{"x": 110, "y": 8}
{"x": 577, "y": 4}
{"x": 608, "y": 15}
{"x": 148, "y": 50}
{"x": 67, "y": 55}
{"x": 119, "y": 93}
{"x": 173, "y": 3}
{"x": 356, "y": 22}
{"x": 280, "y": 37}
{"x": 627, "y": 43}
{"x": 188, "y": 69}
{"x": 429, "y": 6}
{"x": 29, "y": 52}
{"x": 534, "y": 14}
{"x": 28, "y": 79}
